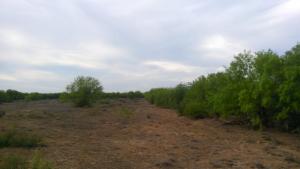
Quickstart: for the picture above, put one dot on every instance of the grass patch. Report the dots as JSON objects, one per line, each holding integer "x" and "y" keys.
{"x": 125, "y": 112}
{"x": 38, "y": 162}
{"x": 19, "y": 162}
{"x": 14, "y": 138}
{"x": 104, "y": 101}
{"x": 13, "y": 162}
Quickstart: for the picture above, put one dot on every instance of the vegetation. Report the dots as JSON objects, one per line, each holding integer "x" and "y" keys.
{"x": 117, "y": 95}
{"x": 126, "y": 112}
{"x": 14, "y": 138}
{"x": 13, "y": 95}
{"x": 260, "y": 89}
{"x": 83, "y": 91}
{"x": 19, "y": 162}
{"x": 167, "y": 97}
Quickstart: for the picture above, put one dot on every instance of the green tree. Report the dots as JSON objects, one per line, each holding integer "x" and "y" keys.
{"x": 84, "y": 91}
{"x": 289, "y": 90}
{"x": 3, "y": 96}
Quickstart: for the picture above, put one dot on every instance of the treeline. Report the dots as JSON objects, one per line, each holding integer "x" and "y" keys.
{"x": 13, "y": 95}
{"x": 260, "y": 89}
{"x": 116, "y": 95}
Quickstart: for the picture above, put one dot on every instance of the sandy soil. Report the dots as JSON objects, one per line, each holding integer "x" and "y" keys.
{"x": 132, "y": 134}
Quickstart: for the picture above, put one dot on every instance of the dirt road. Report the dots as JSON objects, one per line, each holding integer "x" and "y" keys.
{"x": 132, "y": 134}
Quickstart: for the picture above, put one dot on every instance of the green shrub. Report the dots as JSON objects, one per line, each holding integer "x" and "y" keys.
{"x": 167, "y": 97}
{"x": 261, "y": 89}
{"x": 195, "y": 110}
{"x": 3, "y": 96}
{"x": 83, "y": 91}
{"x": 14, "y": 138}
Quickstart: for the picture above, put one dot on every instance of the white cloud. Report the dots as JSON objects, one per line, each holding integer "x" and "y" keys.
{"x": 29, "y": 74}
{"x": 170, "y": 66}
{"x": 284, "y": 11}
{"x": 218, "y": 48}
{"x": 5, "y": 77}
{"x": 20, "y": 48}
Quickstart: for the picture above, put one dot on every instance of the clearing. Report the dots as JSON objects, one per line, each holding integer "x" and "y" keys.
{"x": 132, "y": 134}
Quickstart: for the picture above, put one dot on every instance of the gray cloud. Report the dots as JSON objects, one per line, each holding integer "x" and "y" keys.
{"x": 134, "y": 44}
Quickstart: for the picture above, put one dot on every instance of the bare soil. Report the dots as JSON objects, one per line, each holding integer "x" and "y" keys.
{"x": 132, "y": 134}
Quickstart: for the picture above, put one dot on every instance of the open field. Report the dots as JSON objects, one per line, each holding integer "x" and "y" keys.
{"x": 134, "y": 134}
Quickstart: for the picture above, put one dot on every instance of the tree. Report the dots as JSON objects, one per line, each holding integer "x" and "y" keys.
{"x": 84, "y": 91}
{"x": 289, "y": 90}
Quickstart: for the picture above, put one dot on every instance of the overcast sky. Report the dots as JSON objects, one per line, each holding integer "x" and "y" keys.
{"x": 134, "y": 44}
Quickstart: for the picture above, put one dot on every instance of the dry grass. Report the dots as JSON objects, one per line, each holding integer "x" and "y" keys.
{"x": 134, "y": 134}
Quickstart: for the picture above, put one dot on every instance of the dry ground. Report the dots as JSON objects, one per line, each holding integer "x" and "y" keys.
{"x": 132, "y": 134}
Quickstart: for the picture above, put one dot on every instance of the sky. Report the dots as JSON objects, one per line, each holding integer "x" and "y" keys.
{"x": 134, "y": 44}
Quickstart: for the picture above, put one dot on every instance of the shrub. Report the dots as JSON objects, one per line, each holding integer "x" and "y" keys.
{"x": 14, "y": 95}
{"x": 14, "y": 138}
{"x": 261, "y": 89}
{"x": 3, "y": 96}
{"x": 195, "y": 110}
{"x": 167, "y": 97}
{"x": 84, "y": 91}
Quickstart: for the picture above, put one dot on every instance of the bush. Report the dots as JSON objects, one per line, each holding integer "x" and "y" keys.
{"x": 195, "y": 110}
{"x": 3, "y": 97}
{"x": 118, "y": 95}
{"x": 83, "y": 91}
{"x": 167, "y": 97}
{"x": 260, "y": 89}
{"x": 14, "y": 138}
{"x": 41, "y": 96}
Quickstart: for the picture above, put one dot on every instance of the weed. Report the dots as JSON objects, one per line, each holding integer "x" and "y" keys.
{"x": 14, "y": 138}
{"x": 39, "y": 163}
{"x": 19, "y": 162}
{"x": 13, "y": 162}
{"x": 125, "y": 112}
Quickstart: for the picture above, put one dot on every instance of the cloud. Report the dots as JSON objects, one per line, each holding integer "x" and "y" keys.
{"x": 170, "y": 66}
{"x": 134, "y": 45}
{"x": 18, "y": 47}
{"x": 5, "y": 77}
{"x": 284, "y": 11}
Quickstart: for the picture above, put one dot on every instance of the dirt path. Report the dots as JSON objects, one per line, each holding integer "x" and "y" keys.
{"x": 134, "y": 134}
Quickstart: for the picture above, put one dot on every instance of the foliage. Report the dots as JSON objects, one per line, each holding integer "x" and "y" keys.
{"x": 117, "y": 95}
{"x": 13, "y": 95}
{"x": 41, "y": 96}
{"x": 261, "y": 89}
{"x": 3, "y": 96}
{"x": 14, "y": 138}
{"x": 167, "y": 97}
{"x": 83, "y": 91}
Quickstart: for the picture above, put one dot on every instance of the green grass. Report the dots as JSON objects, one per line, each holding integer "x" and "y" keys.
{"x": 19, "y": 162}
{"x": 125, "y": 112}
{"x": 14, "y": 138}
{"x": 13, "y": 162}
{"x": 38, "y": 162}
